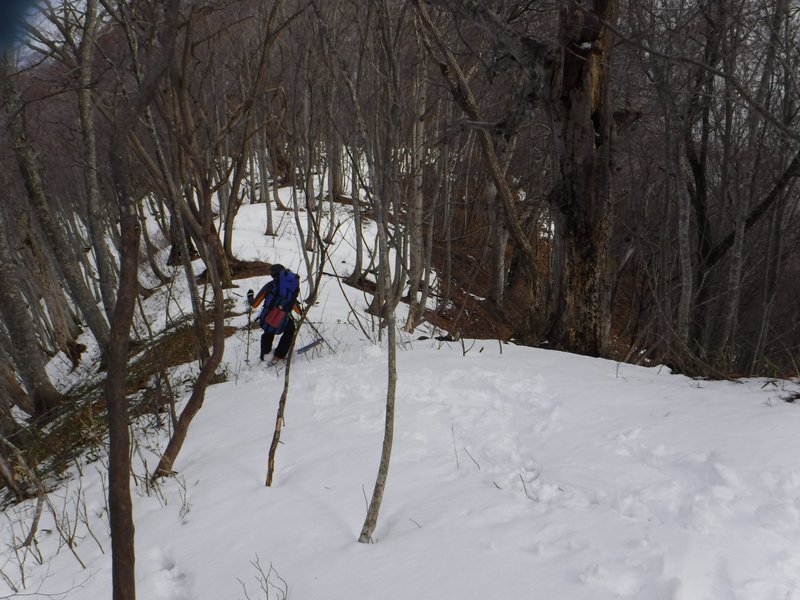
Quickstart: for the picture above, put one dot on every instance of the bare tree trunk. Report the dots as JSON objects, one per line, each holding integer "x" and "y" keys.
{"x": 416, "y": 236}
{"x": 309, "y": 157}
{"x": 334, "y": 155}
{"x": 388, "y": 316}
{"x": 446, "y": 193}
{"x": 234, "y": 200}
{"x": 335, "y": 185}
{"x": 97, "y": 230}
{"x": 355, "y": 195}
{"x": 264, "y": 181}
{"x": 274, "y": 158}
{"x": 150, "y": 250}
{"x": 583, "y": 139}
{"x": 371, "y": 520}
{"x": 120, "y": 504}
{"x": 123, "y": 554}
{"x": 774, "y": 263}
{"x": 252, "y": 198}
{"x": 27, "y": 355}
{"x": 677, "y": 190}
{"x": 498, "y": 239}
{"x": 204, "y": 379}
{"x": 728, "y": 194}
{"x": 684, "y": 249}
{"x": 279, "y": 421}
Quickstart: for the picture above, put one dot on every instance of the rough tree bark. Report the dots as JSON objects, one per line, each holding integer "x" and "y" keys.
{"x": 582, "y": 130}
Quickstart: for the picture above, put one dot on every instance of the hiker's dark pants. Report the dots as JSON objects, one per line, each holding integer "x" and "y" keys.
{"x": 283, "y": 344}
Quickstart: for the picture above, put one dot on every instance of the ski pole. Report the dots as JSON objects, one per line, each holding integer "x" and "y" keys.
{"x": 249, "y": 323}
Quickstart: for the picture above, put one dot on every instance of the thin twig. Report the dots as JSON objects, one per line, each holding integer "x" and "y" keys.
{"x": 455, "y": 450}
{"x": 473, "y": 460}
{"x": 525, "y": 488}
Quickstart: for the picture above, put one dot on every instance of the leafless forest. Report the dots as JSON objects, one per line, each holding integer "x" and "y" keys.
{"x": 608, "y": 177}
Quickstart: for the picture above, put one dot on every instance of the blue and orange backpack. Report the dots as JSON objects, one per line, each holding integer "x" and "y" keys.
{"x": 279, "y": 303}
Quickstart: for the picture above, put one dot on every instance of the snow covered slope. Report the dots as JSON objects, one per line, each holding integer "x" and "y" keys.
{"x": 517, "y": 473}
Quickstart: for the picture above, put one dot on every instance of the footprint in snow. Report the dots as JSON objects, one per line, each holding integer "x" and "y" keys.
{"x": 778, "y": 515}
{"x": 619, "y": 582}
{"x": 167, "y": 581}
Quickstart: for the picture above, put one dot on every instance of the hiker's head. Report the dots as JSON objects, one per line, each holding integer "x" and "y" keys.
{"x": 276, "y": 269}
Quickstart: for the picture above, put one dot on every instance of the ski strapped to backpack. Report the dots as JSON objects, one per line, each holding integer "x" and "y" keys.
{"x": 283, "y": 301}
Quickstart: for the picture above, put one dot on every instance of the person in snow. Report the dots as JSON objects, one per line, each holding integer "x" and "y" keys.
{"x": 279, "y": 297}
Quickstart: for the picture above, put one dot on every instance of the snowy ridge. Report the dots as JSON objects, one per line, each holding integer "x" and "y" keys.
{"x": 516, "y": 473}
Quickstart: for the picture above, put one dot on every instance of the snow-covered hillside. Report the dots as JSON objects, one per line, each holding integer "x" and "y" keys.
{"x": 517, "y": 473}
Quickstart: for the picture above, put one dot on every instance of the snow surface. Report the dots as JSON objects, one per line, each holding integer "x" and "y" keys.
{"x": 516, "y": 473}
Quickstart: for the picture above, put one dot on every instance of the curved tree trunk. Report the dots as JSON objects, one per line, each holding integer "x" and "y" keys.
{"x": 204, "y": 379}
{"x": 234, "y": 200}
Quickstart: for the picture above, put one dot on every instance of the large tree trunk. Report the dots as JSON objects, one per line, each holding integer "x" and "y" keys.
{"x": 119, "y": 498}
{"x": 582, "y": 129}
